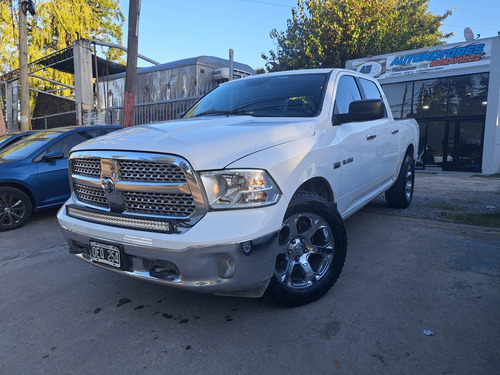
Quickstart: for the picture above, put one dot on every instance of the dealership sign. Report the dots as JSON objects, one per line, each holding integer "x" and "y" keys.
{"x": 423, "y": 61}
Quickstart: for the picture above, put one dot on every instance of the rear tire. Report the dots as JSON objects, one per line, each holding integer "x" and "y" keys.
{"x": 400, "y": 194}
{"x": 312, "y": 251}
{"x": 15, "y": 208}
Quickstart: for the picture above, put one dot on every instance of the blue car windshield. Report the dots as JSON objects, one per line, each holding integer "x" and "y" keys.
{"x": 28, "y": 145}
{"x": 4, "y": 138}
{"x": 293, "y": 95}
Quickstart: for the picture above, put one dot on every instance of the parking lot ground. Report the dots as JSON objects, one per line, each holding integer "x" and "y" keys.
{"x": 450, "y": 196}
{"x": 403, "y": 275}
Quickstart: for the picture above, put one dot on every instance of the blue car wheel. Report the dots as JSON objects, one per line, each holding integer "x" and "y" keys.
{"x": 15, "y": 208}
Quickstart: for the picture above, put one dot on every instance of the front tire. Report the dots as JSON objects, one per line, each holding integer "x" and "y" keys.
{"x": 15, "y": 208}
{"x": 312, "y": 250}
{"x": 400, "y": 194}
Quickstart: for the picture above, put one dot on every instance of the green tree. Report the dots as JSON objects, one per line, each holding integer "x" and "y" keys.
{"x": 58, "y": 23}
{"x": 327, "y": 33}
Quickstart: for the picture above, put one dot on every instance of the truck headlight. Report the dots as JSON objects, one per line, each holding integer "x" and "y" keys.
{"x": 239, "y": 188}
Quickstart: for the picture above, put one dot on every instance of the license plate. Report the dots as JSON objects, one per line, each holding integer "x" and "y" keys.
{"x": 104, "y": 253}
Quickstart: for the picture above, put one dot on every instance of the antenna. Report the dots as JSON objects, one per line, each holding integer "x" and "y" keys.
{"x": 469, "y": 35}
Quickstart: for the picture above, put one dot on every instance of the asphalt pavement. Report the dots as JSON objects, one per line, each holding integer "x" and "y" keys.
{"x": 419, "y": 294}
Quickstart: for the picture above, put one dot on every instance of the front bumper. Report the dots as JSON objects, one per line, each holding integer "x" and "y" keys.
{"x": 222, "y": 267}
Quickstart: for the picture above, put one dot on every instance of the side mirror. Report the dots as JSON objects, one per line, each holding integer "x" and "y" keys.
{"x": 366, "y": 110}
{"x": 53, "y": 155}
{"x": 361, "y": 110}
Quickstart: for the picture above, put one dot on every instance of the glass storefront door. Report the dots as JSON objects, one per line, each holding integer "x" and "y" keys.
{"x": 431, "y": 148}
{"x": 453, "y": 145}
{"x": 464, "y": 146}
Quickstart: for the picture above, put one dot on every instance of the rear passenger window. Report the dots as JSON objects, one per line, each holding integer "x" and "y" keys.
{"x": 347, "y": 92}
{"x": 370, "y": 89}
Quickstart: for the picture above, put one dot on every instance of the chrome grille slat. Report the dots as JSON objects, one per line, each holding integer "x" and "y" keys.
{"x": 91, "y": 195}
{"x": 178, "y": 205}
{"x": 87, "y": 167}
{"x": 141, "y": 171}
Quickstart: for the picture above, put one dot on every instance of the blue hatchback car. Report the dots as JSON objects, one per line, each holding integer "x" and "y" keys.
{"x": 34, "y": 171}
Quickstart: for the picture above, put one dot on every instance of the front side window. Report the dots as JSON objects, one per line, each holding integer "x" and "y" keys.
{"x": 65, "y": 144}
{"x": 347, "y": 92}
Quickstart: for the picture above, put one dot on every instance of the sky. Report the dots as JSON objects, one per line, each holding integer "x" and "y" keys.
{"x": 171, "y": 30}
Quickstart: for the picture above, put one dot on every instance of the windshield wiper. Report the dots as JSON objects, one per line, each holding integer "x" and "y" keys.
{"x": 211, "y": 112}
{"x": 216, "y": 112}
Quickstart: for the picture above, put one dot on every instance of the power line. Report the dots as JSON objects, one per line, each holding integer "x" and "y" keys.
{"x": 268, "y": 3}
{"x": 473, "y": 27}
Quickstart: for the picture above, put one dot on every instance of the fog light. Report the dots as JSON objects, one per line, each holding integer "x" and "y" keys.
{"x": 161, "y": 269}
{"x": 246, "y": 247}
{"x": 225, "y": 266}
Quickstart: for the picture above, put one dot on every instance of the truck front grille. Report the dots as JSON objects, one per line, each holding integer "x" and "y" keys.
{"x": 137, "y": 185}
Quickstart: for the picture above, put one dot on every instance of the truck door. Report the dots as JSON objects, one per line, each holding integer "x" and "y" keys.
{"x": 385, "y": 165}
{"x": 357, "y": 148}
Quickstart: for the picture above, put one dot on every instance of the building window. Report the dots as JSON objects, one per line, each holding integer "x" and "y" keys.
{"x": 445, "y": 97}
{"x": 430, "y": 98}
{"x": 468, "y": 95}
{"x": 399, "y": 96}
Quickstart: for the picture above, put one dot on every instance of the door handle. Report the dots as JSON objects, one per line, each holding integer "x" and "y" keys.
{"x": 394, "y": 131}
{"x": 369, "y": 137}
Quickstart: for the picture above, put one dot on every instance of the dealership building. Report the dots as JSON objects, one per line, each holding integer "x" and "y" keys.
{"x": 453, "y": 91}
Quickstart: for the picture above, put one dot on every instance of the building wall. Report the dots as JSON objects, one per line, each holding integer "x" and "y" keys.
{"x": 491, "y": 154}
{"x": 179, "y": 79}
{"x": 450, "y": 60}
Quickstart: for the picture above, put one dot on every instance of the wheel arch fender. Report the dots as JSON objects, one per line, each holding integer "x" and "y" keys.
{"x": 24, "y": 189}
{"x": 318, "y": 186}
{"x": 410, "y": 150}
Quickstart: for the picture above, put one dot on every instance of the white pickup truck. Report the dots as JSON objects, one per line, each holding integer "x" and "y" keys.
{"x": 246, "y": 194}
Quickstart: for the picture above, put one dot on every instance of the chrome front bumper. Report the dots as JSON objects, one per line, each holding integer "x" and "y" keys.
{"x": 236, "y": 269}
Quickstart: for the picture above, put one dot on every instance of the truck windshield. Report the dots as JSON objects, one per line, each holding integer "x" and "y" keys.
{"x": 294, "y": 95}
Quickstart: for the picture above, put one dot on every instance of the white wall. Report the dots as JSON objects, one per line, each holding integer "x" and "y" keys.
{"x": 491, "y": 150}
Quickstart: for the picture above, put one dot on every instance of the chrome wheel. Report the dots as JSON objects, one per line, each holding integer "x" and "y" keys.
{"x": 307, "y": 247}
{"x": 311, "y": 251}
{"x": 409, "y": 183}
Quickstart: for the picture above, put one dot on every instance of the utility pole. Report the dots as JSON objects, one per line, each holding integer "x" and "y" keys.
{"x": 23, "y": 67}
{"x": 231, "y": 62}
{"x": 3, "y": 129}
{"x": 24, "y": 8}
{"x": 131, "y": 72}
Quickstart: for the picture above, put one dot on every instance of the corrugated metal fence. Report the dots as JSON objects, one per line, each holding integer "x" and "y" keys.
{"x": 145, "y": 113}
{"x": 158, "y": 111}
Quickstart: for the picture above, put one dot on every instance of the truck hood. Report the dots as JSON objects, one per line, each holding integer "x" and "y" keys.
{"x": 206, "y": 143}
